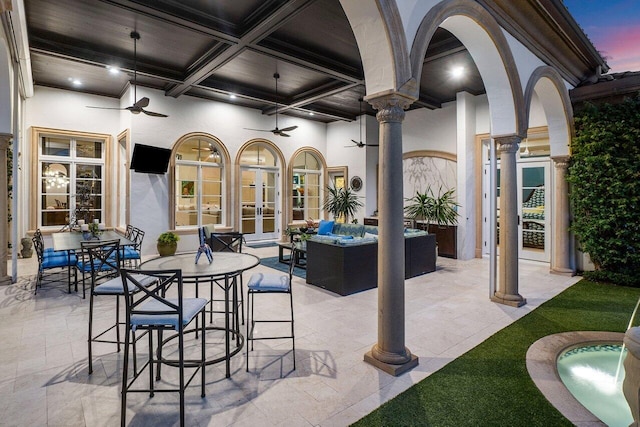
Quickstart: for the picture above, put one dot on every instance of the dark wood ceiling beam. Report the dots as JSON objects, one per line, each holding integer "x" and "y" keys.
{"x": 316, "y": 94}
{"x": 267, "y": 26}
{"x": 311, "y": 65}
{"x": 427, "y": 102}
{"x": 333, "y": 114}
{"x": 103, "y": 61}
{"x": 172, "y": 19}
{"x": 444, "y": 54}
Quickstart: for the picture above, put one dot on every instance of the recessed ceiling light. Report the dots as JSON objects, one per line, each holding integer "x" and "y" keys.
{"x": 76, "y": 82}
{"x": 311, "y": 113}
{"x": 457, "y": 72}
{"x": 112, "y": 69}
{"x": 232, "y": 96}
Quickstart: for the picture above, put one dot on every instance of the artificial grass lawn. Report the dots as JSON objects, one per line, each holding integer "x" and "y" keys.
{"x": 489, "y": 385}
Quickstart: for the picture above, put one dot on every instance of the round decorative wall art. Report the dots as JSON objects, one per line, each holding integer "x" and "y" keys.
{"x": 356, "y": 183}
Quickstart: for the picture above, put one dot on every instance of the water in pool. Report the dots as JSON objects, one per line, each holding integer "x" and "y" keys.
{"x": 590, "y": 375}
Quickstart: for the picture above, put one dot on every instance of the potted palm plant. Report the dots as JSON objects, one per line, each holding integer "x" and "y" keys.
{"x": 439, "y": 214}
{"x": 167, "y": 243}
{"x": 341, "y": 203}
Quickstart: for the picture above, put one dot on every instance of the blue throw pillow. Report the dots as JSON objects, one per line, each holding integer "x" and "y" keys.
{"x": 325, "y": 227}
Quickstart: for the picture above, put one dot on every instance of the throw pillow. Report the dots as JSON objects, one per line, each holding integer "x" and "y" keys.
{"x": 325, "y": 227}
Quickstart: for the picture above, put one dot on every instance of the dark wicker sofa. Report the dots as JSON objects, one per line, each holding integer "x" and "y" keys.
{"x": 349, "y": 266}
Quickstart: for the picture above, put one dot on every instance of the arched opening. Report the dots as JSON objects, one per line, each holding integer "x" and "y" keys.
{"x": 306, "y": 172}
{"x": 200, "y": 172}
{"x": 259, "y": 183}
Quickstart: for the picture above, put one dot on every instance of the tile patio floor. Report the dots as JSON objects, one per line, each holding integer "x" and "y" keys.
{"x": 43, "y": 355}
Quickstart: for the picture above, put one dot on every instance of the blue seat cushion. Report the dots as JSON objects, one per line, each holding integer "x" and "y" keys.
{"x": 53, "y": 261}
{"x": 273, "y": 282}
{"x": 130, "y": 253}
{"x": 98, "y": 265}
{"x": 114, "y": 286}
{"x": 190, "y": 308}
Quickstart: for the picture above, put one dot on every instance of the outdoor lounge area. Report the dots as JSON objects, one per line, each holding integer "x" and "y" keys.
{"x": 44, "y": 379}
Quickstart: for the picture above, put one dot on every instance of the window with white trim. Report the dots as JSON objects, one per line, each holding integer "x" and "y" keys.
{"x": 70, "y": 178}
{"x": 199, "y": 183}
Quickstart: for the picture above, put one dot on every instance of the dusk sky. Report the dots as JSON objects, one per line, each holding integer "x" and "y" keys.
{"x": 613, "y": 26}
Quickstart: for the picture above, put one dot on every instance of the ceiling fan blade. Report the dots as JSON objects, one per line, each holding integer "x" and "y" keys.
{"x": 283, "y": 134}
{"x": 142, "y": 102}
{"x": 356, "y": 142}
{"x": 152, "y": 114}
{"x": 372, "y": 145}
{"x": 290, "y": 128}
{"x": 106, "y": 108}
{"x": 258, "y": 130}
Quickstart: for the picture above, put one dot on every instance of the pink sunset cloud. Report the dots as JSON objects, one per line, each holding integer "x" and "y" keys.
{"x": 620, "y": 45}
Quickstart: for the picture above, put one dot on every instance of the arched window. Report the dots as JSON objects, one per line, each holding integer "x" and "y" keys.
{"x": 199, "y": 182}
{"x": 307, "y": 186}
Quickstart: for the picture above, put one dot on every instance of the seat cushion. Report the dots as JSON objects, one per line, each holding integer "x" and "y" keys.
{"x": 52, "y": 261}
{"x": 114, "y": 286}
{"x": 130, "y": 253}
{"x": 273, "y": 282}
{"x": 190, "y": 308}
{"x": 98, "y": 265}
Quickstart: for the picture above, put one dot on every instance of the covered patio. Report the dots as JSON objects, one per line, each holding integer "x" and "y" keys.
{"x": 45, "y": 381}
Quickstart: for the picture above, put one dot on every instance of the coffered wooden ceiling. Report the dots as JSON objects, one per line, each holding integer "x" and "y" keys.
{"x": 212, "y": 49}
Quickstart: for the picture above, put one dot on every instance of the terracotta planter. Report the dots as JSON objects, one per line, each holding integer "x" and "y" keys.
{"x": 167, "y": 249}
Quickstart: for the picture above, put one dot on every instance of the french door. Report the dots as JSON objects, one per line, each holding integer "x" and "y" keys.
{"x": 259, "y": 203}
{"x": 534, "y": 210}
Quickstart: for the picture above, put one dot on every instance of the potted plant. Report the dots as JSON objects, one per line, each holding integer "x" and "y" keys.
{"x": 167, "y": 243}
{"x": 341, "y": 203}
{"x": 440, "y": 214}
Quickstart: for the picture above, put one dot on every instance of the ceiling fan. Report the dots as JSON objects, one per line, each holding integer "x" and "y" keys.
{"x": 277, "y": 131}
{"x": 214, "y": 154}
{"x": 139, "y": 106}
{"x": 359, "y": 143}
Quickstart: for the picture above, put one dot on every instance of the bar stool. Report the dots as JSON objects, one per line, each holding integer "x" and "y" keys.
{"x": 150, "y": 310}
{"x": 270, "y": 283}
{"x": 229, "y": 242}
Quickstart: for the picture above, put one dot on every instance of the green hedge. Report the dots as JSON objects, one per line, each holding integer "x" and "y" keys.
{"x": 604, "y": 175}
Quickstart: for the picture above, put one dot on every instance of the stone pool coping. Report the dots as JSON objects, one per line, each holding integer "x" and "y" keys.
{"x": 542, "y": 365}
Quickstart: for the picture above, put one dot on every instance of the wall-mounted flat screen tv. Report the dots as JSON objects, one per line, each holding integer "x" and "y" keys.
{"x": 148, "y": 159}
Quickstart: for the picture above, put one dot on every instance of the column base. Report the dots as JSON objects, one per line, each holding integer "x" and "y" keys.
{"x": 6, "y": 280}
{"x": 511, "y": 300}
{"x": 562, "y": 271}
{"x": 391, "y": 369}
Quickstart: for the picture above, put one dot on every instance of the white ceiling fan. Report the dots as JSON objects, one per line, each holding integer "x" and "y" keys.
{"x": 139, "y": 106}
{"x": 277, "y": 131}
{"x": 359, "y": 143}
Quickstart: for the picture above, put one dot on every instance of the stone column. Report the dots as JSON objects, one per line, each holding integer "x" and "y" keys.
{"x": 390, "y": 353}
{"x": 561, "y": 255}
{"x": 507, "y": 292}
{"x": 5, "y": 139}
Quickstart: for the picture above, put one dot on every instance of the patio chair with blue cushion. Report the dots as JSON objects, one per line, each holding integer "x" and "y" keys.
{"x": 228, "y": 242}
{"x": 149, "y": 309}
{"x": 133, "y": 253}
{"x": 48, "y": 259}
{"x": 270, "y": 283}
{"x": 104, "y": 262}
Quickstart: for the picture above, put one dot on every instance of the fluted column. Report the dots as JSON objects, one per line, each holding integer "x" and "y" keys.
{"x": 5, "y": 139}
{"x": 507, "y": 292}
{"x": 561, "y": 256}
{"x": 390, "y": 353}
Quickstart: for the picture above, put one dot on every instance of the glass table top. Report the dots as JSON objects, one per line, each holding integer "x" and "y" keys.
{"x": 223, "y": 263}
{"x": 66, "y": 241}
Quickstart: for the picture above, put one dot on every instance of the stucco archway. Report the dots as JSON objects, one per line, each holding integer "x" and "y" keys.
{"x": 483, "y": 38}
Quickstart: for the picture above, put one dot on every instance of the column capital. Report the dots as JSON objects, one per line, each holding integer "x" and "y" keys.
{"x": 390, "y": 107}
{"x": 561, "y": 162}
{"x": 508, "y": 144}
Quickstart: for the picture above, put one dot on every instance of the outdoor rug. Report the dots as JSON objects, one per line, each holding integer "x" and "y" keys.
{"x": 256, "y": 245}
{"x": 272, "y": 262}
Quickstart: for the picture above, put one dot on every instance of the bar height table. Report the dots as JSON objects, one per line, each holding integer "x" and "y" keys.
{"x": 225, "y": 269}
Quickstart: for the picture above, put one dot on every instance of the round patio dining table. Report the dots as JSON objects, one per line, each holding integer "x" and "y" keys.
{"x": 224, "y": 271}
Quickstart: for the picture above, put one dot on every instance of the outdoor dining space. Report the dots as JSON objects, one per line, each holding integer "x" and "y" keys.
{"x": 45, "y": 378}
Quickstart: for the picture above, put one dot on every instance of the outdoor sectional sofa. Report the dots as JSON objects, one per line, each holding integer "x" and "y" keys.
{"x": 346, "y": 260}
